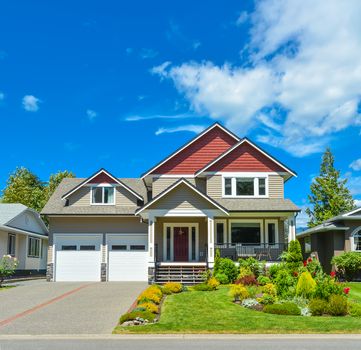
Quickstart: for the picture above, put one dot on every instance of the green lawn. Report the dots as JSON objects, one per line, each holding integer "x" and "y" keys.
{"x": 214, "y": 312}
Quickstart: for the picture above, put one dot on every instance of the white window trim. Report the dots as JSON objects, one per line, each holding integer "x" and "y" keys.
{"x": 245, "y": 221}
{"x": 277, "y": 237}
{"x": 171, "y": 226}
{"x": 255, "y": 177}
{"x": 102, "y": 186}
{"x": 352, "y": 241}
{"x": 225, "y": 233}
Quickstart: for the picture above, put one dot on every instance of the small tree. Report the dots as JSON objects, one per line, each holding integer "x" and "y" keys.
{"x": 329, "y": 195}
{"x": 55, "y": 180}
{"x": 8, "y": 266}
{"x": 293, "y": 257}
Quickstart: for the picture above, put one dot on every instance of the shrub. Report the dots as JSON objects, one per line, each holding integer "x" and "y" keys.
{"x": 293, "y": 256}
{"x": 238, "y": 292}
{"x": 348, "y": 264}
{"x": 155, "y": 289}
{"x": 202, "y": 287}
{"x": 284, "y": 282}
{"x": 222, "y": 278}
{"x": 227, "y": 267}
{"x": 213, "y": 283}
{"x": 270, "y": 289}
{"x": 244, "y": 271}
{"x": 267, "y": 299}
{"x": 249, "y": 280}
{"x": 252, "y": 304}
{"x": 252, "y": 291}
{"x": 337, "y": 305}
{"x": 306, "y": 285}
{"x": 313, "y": 266}
{"x": 172, "y": 287}
{"x": 153, "y": 308}
{"x": 326, "y": 286}
{"x": 217, "y": 260}
{"x": 283, "y": 309}
{"x": 318, "y": 307}
{"x": 354, "y": 309}
{"x": 151, "y": 294}
{"x": 275, "y": 268}
{"x": 130, "y": 316}
{"x": 262, "y": 280}
{"x": 252, "y": 264}
{"x": 8, "y": 266}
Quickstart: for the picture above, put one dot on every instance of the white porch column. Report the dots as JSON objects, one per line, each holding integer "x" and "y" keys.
{"x": 151, "y": 252}
{"x": 291, "y": 228}
{"x": 210, "y": 227}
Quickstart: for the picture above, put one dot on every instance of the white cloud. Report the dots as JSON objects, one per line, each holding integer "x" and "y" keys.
{"x": 91, "y": 114}
{"x": 356, "y": 165}
{"x": 243, "y": 17}
{"x": 358, "y": 202}
{"x": 135, "y": 118}
{"x": 302, "y": 218}
{"x": 31, "y": 103}
{"x": 354, "y": 185}
{"x": 303, "y": 73}
{"x": 191, "y": 128}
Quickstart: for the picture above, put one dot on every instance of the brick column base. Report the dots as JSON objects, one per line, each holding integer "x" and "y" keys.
{"x": 50, "y": 272}
{"x": 103, "y": 272}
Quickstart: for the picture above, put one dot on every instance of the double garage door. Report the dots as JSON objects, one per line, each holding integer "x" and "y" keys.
{"x": 79, "y": 257}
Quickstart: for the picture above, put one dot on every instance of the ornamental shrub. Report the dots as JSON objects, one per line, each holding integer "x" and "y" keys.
{"x": 275, "y": 268}
{"x": 262, "y": 280}
{"x": 172, "y": 287}
{"x": 314, "y": 267}
{"x": 337, "y": 305}
{"x": 238, "y": 292}
{"x": 283, "y": 309}
{"x": 348, "y": 264}
{"x": 326, "y": 286}
{"x": 244, "y": 271}
{"x": 293, "y": 257}
{"x": 249, "y": 280}
{"x": 130, "y": 316}
{"x": 256, "y": 267}
{"x": 213, "y": 283}
{"x": 222, "y": 278}
{"x": 217, "y": 260}
{"x": 306, "y": 285}
{"x": 285, "y": 282}
{"x": 227, "y": 267}
{"x": 151, "y": 294}
{"x": 354, "y": 309}
{"x": 267, "y": 299}
{"x": 270, "y": 289}
{"x": 8, "y": 266}
{"x": 318, "y": 307}
{"x": 151, "y": 307}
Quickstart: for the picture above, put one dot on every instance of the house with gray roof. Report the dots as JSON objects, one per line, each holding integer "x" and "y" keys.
{"x": 217, "y": 192}
{"x": 24, "y": 236}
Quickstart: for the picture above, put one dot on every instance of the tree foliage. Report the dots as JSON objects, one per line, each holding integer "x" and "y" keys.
{"x": 329, "y": 195}
{"x": 25, "y": 187}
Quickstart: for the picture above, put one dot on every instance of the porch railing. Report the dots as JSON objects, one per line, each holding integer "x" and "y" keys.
{"x": 262, "y": 251}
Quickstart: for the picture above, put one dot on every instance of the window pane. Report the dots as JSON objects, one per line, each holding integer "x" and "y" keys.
{"x": 11, "y": 244}
{"x": 262, "y": 187}
{"x": 245, "y": 186}
{"x": 97, "y": 195}
{"x": 220, "y": 233}
{"x": 246, "y": 233}
{"x": 68, "y": 247}
{"x": 357, "y": 241}
{"x": 193, "y": 243}
{"x": 137, "y": 247}
{"x": 108, "y": 194}
{"x": 307, "y": 244}
{"x": 228, "y": 186}
{"x": 271, "y": 233}
{"x": 87, "y": 247}
{"x": 119, "y": 247}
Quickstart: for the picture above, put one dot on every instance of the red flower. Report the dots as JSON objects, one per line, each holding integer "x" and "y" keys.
{"x": 305, "y": 263}
{"x": 314, "y": 274}
{"x": 295, "y": 273}
{"x": 309, "y": 260}
{"x": 346, "y": 290}
{"x": 333, "y": 274}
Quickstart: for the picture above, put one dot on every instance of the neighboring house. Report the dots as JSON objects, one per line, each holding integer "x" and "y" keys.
{"x": 23, "y": 235}
{"x": 334, "y": 236}
{"x": 216, "y": 192}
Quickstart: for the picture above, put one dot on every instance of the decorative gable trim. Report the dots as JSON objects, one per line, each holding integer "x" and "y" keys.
{"x": 188, "y": 144}
{"x": 231, "y": 149}
{"x": 102, "y": 171}
{"x": 176, "y": 184}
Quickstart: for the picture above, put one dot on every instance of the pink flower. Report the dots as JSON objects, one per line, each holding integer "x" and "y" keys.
{"x": 346, "y": 290}
{"x": 333, "y": 274}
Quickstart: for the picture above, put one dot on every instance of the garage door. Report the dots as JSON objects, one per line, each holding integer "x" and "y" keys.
{"x": 78, "y": 257}
{"x": 127, "y": 257}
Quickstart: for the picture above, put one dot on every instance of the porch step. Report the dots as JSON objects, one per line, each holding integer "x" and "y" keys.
{"x": 185, "y": 274}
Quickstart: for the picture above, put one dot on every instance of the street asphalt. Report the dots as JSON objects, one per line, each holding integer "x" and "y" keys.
{"x": 41, "y": 308}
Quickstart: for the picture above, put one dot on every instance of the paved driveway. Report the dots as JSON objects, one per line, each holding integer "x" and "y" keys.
{"x": 39, "y": 307}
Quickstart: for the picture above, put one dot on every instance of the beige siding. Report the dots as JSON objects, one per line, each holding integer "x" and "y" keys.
{"x": 50, "y": 254}
{"x": 162, "y": 183}
{"x": 124, "y": 198}
{"x": 182, "y": 197}
{"x": 275, "y": 186}
{"x": 81, "y": 197}
{"x": 214, "y": 186}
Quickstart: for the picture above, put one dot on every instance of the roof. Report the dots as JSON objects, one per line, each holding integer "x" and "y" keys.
{"x": 9, "y": 211}
{"x": 258, "y": 205}
{"x": 231, "y": 149}
{"x": 324, "y": 227}
{"x": 235, "y": 137}
{"x": 176, "y": 184}
{"x": 56, "y": 205}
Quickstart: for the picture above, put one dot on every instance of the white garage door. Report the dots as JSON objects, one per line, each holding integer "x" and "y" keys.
{"x": 78, "y": 257}
{"x": 127, "y": 257}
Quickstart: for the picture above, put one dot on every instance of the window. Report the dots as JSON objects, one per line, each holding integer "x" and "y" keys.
{"x": 11, "y": 244}
{"x": 246, "y": 233}
{"x": 245, "y": 186}
{"x": 193, "y": 243}
{"x": 220, "y": 233}
{"x": 168, "y": 243}
{"x": 137, "y": 247}
{"x": 271, "y": 230}
{"x": 307, "y": 244}
{"x": 33, "y": 247}
{"x": 356, "y": 241}
{"x": 87, "y": 247}
{"x": 103, "y": 195}
{"x": 68, "y": 247}
{"x": 119, "y": 247}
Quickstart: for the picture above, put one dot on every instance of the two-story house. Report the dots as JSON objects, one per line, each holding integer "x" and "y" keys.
{"x": 216, "y": 192}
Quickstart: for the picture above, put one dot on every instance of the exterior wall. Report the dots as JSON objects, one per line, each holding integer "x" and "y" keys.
{"x": 353, "y": 225}
{"x": 3, "y": 243}
{"x": 81, "y": 197}
{"x": 275, "y": 186}
{"x": 159, "y": 229}
{"x": 28, "y": 222}
{"x": 214, "y": 186}
{"x": 125, "y": 198}
{"x": 162, "y": 183}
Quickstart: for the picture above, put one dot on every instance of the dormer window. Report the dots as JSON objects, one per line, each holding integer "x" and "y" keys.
{"x": 103, "y": 195}
{"x": 244, "y": 186}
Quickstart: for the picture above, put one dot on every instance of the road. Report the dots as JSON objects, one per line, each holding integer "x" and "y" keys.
{"x": 189, "y": 342}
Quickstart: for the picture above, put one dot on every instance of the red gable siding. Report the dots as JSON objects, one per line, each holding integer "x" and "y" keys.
{"x": 245, "y": 158}
{"x": 102, "y": 178}
{"x": 201, "y": 152}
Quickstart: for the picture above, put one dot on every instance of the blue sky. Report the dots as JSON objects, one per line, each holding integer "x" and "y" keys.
{"x": 120, "y": 85}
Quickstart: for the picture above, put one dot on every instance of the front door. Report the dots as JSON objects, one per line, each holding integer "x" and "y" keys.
{"x": 181, "y": 243}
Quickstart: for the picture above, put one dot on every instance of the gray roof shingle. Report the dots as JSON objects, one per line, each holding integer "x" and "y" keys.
{"x": 9, "y": 211}
{"x": 257, "y": 204}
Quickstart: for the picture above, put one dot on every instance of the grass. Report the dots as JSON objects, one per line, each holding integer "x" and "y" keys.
{"x": 6, "y": 287}
{"x": 214, "y": 312}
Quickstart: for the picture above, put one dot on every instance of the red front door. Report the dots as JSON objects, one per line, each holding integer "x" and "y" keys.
{"x": 180, "y": 243}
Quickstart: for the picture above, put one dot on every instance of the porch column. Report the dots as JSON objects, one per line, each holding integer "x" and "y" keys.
{"x": 291, "y": 228}
{"x": 210, "y": 226}
{"x": 151, "y": 253}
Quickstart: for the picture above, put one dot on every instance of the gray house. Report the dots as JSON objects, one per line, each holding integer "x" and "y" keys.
{"x": 339, "y": 234}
